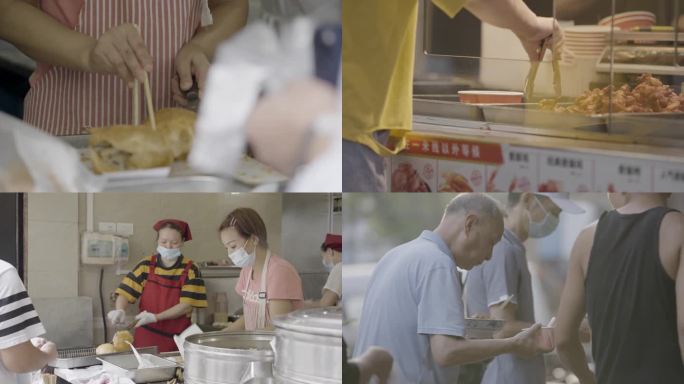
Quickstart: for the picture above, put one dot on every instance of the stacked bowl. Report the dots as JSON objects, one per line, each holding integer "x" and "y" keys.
{"x": 584, "y": 42}
{"x": 630, "y": 20}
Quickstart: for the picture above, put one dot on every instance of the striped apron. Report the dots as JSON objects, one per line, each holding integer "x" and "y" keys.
{"x": 67, "y": 102}
{"x": 255, "y": 303}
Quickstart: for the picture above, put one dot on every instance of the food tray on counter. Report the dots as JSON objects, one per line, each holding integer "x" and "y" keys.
{"x": 482, "y": 328}
{"x": 529, "y": 115}
{"x": 86, "y": 357}
{"x": 249, "y": 172}
{"x": 664, "y": 125}
{"x": 446, "y": 106}
{"x": 127, "y": 366}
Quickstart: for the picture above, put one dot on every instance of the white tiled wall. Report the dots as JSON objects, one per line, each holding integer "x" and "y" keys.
{"x": 53, "y": 246}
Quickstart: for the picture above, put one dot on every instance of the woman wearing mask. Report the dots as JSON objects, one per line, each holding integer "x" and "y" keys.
{"x": 168, "y": 286}
{"x": 268, "y": 284}
{"x": 331, "y": 253}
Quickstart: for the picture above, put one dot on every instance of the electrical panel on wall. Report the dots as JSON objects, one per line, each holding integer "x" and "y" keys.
{"x": 103, "y": 249}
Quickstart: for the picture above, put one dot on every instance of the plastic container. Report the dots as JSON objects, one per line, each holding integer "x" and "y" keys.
{"x": 490, "y": 97}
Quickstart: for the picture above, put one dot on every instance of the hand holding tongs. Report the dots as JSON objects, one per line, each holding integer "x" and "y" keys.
{"x": 546, "y": 43}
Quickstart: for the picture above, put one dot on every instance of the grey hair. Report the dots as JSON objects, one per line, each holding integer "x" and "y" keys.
{"x": 474, "y": 202}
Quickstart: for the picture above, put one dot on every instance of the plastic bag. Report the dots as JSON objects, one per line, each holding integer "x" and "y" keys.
{"x": 31, "y": 160}
{"x": 256, "y": 61}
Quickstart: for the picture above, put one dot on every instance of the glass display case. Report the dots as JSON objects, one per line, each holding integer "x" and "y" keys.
{"x": 602, "y": 109}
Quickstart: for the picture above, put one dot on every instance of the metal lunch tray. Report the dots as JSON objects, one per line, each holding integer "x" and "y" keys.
{"x": 482, "y": 328}
{"x": 664, "y": 125}
{"x": 178, "y": 177}
{"x": 657, "y": 124}
{"x": 446, "y": 106}
{"x": 86, "y": 357}
{"x": 127, "y": 366}
{"x": 529, "y": 115}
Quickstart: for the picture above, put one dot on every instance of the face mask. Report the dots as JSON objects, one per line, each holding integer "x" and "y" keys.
{"x": 241, "y": 258}
{"x": 328, "y": 265}
{"x": 168, "y": 254}
{"x": 543, "y": 228}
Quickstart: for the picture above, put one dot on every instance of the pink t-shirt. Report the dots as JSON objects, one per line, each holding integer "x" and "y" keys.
{"x": 282, "y": 283}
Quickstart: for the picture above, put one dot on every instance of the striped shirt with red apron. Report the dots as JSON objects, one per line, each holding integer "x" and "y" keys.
{"x": 64, "y": 101}
{"x": 160, "y": 294}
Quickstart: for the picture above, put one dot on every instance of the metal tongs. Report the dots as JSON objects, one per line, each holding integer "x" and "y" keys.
{"x": 545, "y": 44}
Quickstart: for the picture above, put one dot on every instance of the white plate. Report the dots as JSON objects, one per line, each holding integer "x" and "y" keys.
{"x": 585, "y": 29}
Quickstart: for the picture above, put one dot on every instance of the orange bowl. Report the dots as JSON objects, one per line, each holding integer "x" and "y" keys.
{"x": 490, "y": 97}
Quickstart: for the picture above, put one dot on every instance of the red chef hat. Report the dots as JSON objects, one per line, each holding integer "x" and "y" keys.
{"x": 182, "y": 225}
{"x": 333, "y": 241}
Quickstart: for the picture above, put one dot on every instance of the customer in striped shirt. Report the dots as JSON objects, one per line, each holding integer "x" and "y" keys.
{"x": 21, "y": 350}
{"x": 168, "y": 286}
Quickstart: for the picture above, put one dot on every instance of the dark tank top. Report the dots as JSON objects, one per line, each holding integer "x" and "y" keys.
{"x": 631, "y": 302}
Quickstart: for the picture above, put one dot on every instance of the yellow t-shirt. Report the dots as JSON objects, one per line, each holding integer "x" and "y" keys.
{"x": 377, "y": 67}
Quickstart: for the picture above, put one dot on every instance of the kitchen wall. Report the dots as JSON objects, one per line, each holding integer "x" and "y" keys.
{"x": 296, "y": 227}
{"x": 52, "y": 245}
{"x": 302, "y": 240}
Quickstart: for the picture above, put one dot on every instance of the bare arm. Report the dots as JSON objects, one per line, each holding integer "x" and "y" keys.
{"x": 121, "y": 303}
{"x": 450, "y": 350}
{"x": 509, "y": 14}
{"x": 178, "y": 310}
{"x": 329, "y": 299}
{"x": 193, "y": 59}
{"x": 507, "y": 313}
{"x": 229, "y": 17}
{"x": 237, "y": 325}
{"x": 672, "y": 259}
{"x": 516, "y": 16}
{"x": 679, "y": 287}
{"x": 278, "y": 307}
{"x": 43, "y": 38}
{"x": 24, "y": 358}
{"x": 571, "y": 310}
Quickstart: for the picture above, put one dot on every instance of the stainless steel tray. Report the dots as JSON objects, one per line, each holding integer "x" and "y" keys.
{"x": 529, "y": 115}
{"x": 86, "y": 357}
{"x": 664, "y": 125}
{"x": 187, "y": 184}
{"x": 127, "y": 366}
{"x": 446, "y": 106}
{"x": 248, "y": 174}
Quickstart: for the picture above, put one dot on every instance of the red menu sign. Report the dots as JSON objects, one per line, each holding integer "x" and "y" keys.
{"x": 463, "y": 150}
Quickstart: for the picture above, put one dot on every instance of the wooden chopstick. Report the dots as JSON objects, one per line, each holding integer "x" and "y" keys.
{"x": 150, "y": 106}
{"x": 148, "y": 98}
{"x": 136, "y": 102}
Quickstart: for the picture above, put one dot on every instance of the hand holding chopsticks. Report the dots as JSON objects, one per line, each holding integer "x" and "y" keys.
{"x": 148, "y": 98}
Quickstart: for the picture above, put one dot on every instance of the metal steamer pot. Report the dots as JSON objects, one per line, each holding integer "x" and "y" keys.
{"x": 309, "y": 347}
{"x": 229, "y": 358}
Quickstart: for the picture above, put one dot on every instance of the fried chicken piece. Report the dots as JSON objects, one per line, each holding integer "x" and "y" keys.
{"x": 649, "y": 95}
